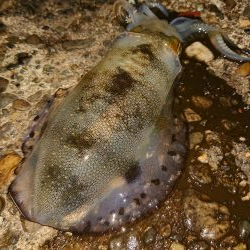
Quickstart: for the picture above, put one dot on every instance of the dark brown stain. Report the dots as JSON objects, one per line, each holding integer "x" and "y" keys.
{"x": 145, "y": 49}
{"x": 121, "y": 83}
{"x": 133, "y": 172}
{"x": 81, "y": 141}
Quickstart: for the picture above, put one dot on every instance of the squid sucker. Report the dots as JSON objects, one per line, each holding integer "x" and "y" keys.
{"x": 110, "y": 150}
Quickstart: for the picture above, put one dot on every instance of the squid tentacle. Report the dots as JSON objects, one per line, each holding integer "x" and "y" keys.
{"x": 218, "y": 42}
{"x": 158, "y": 6}
{"x": 124, "y": 11}
{"x": 183, "y": 27}
{"x": 134, "y": 17}
{"x": 187, "y": 27}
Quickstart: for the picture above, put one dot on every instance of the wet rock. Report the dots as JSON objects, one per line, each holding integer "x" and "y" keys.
{"x": 202, "y": 102}
{"x": 3, "y": 84}
{"x": 244, "y": 23}
{"x": 244, "y": 229}
{"x": 2, "y": 204}
{"x": 198, "y": 245}
{"x": 191, "y": 115}
{"x": 209, "y": 219}
{"x": 33, "y": 39}
{"x": 149, "y": 235}
{"x": 77, "y": 44}
{"x": 7, "y": 166}
{"x": 244, "y": 69}
{"x": 230, "y": 4}
{"x": 20, "y": 104}
{"x": 200, "y": 173}
{"x": 200, "y": 52}
{"x": 117, "y": 244}
{"x": 177, "y": 246}
{"x": 195, "y": 138}
{"x": 6, "y": 98}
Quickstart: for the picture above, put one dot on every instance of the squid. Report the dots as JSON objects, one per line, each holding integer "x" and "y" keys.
{"x": 110, "y": 150}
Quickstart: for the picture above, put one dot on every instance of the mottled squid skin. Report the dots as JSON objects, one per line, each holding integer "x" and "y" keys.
{"x": 107, "y": 154}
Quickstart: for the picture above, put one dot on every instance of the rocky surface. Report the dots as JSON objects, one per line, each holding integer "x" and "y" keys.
{"x": 46, "y": 45}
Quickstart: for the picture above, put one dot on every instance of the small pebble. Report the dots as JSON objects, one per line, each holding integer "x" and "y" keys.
{"x": 202, "y": 102}
{"x": 165, "y": 231}
{"x": 117, "y": 243}
{"x": 210, "y": 220}
{"x": 200, "y": 245}
{"x": 149, "y": 235}
{"x": 215, "y": 9}
{"x": 21, "y": 105}
{"x": 200, "y": 52}
{"x": 228, "y": 242}
{"x": 35, "y": 97}
{"x": 133, "y": 242}
{"x": 33, "y": 39}
{"x": 23, "y": 58}
{"x": 200, "y": 173}
{"x": 242, "y": 139}
{"x": 227, "y": 124}
{"x": 3, "y": 84}
{"x": 246, "y": 11}
{"x": 244, "y": 23}
{"x": 77, "y": 44}
{"x": 48, "y": 69}
{"x": 244, "y": 69}
{"x": 203, "y": 158}
{"x": 244, "y": 229}
{"x": 240, "y": 246}
{"x": 3, "y": 27}
{"x": 212, "y": 137}
{"x": 29, "y": 226}
{"x": 191, "y": 116}
{"x": 8, "y": 163}
{"x": 6, "y": 98}
{"x": 195, "y": 138}
{"x": 177, "y": 246}
{"x": 225, "y": 102}
{"x": 230, "y": 4}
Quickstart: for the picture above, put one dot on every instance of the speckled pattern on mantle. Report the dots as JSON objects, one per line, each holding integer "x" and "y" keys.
{"x": 46, "y": 45}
